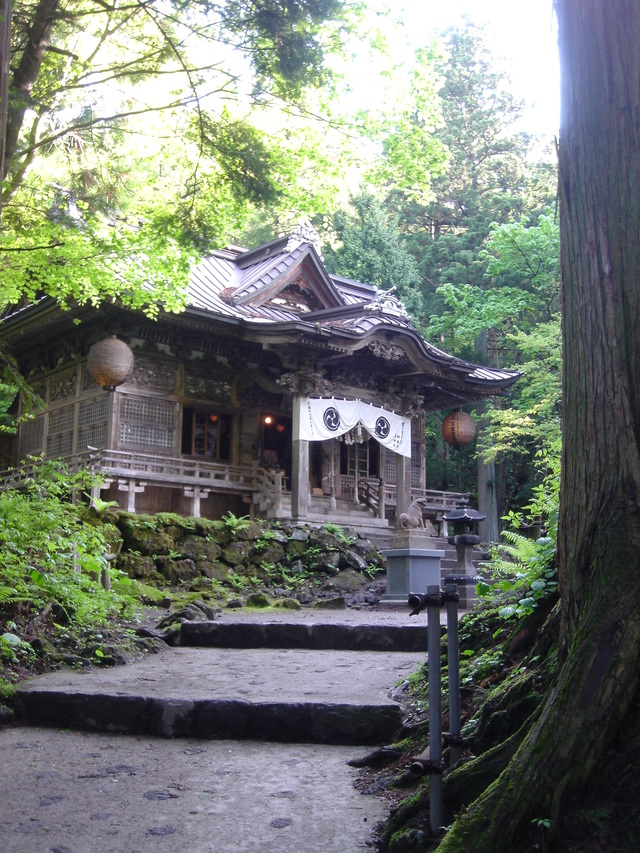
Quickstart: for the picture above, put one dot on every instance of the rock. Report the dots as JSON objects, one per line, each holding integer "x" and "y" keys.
{"x": 328, "y": 561}
{"x": 136, "y": 566}
{"x": 288, "y": 604}
{"x": 335, "y": 603}
{"x": 237, "y": 553}
{"x": 214, "y": 528}
{"x": 300, "y": 534}
{"x": 215, "y": 571}
{"x": 273, "y": 552}
{"x": 198, "y": 548}
{"x": 346, "y": 581}
{"x": 147, "y": 540}
{"x": 209, "y": 612}
{"x": 177, "y": 570}
{"x": 235, "y": 603}
{"x": 252, "y": 532}
{"x": 296, "y": 548}
{"x": 352, "y": 559}
{"x": 327, "y": 541}
{"x": 258, "y": 599}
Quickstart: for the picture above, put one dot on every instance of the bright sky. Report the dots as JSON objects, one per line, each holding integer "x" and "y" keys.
{"x": 522, "y": 34}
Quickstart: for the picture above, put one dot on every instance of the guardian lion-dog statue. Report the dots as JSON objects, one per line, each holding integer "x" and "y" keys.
{"x": 412, "y": 518}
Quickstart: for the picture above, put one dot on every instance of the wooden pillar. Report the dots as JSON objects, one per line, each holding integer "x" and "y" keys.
{"x": 300, "y": 466}
{"x": 403, "y": 484}
{"x": 131, "y": 487}
{"x": 196, "y": 496}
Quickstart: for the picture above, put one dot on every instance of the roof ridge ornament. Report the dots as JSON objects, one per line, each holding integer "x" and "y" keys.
{"x": 386, "y": 302}
{"x": 304, "y": 232}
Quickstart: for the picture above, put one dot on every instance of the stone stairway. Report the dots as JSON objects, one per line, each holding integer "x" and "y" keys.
{"x": 236, "y": 740}
{"x": 317, "y": 681}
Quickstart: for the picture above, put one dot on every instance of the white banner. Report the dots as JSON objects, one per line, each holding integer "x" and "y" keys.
{"x": 321, "y": 419}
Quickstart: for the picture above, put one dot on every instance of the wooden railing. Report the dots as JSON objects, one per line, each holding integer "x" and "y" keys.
{"x": 435, "y": 502}
{"x": 372, "y": 496}
{"x": 161, "y": 470}
{"x": 169, "y": 470}
{"x": 187, "y": 472}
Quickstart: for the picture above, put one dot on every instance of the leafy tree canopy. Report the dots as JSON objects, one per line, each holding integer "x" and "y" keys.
{"x": 140, "y": 133}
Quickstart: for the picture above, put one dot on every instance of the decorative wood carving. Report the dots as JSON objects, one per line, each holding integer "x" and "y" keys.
{"x": 389, "y": 352}
{"x": 302, "y": 383}
{"x": 149, "y": 373}
{"x": 63, "y": 384}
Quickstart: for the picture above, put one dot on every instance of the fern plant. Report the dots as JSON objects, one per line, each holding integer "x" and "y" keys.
{"x": 521, "y": 563}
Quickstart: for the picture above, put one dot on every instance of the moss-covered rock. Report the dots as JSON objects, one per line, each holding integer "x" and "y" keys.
{"x": 287, "y": 604}
{"x": 199, "y": 548}
{"x": 250, "y": 533}
{"x": 177, "y": 571}
{"x": 336, "y": 602}
{"x": 258, "y": 599}
{"x": 269, "y": 552}
{"x": 137, "y": 566}
{"x": 140, "y": 533}
{"x": 237, "y": 553}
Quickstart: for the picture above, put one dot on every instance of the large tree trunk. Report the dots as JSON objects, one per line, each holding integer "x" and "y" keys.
{"x": 599, "y": 538}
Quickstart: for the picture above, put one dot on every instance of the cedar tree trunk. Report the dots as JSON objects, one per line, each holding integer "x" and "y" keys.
{"x": 599, "y": 536}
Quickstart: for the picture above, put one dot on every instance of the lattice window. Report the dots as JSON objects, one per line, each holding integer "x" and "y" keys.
{"x": 60, "y": 434}
{"x": 61, "y": 420}
{"x": 416, "y": 479}
{"x": 147, "y": 423}
{"x": 390, "y": 466}
{"x": 137, "y": 435}
{"x": 141, "y": 410}
{"x": 59, "y": 445}
{"x": 93, "y": 411}
{"x": 32, "y": 437}
{"x": 93, "y": 423}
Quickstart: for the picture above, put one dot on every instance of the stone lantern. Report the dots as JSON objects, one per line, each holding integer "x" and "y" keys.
{"x": 464, "y": 538}
{"x": 110, "y": 363}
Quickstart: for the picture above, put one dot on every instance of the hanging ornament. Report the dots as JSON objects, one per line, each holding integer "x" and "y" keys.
{"x": 110, "y": 363}
{"x": 458, "y": 429}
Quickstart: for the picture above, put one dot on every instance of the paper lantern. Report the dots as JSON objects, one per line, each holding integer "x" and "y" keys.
{"x": 110, "y": 363}
{"x": 458, "y": 429}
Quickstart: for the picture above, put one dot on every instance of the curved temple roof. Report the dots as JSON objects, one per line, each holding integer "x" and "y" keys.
{"x": 283, "y": 290}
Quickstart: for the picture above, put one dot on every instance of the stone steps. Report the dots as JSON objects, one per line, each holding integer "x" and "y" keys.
{"x": 282, "y": 682}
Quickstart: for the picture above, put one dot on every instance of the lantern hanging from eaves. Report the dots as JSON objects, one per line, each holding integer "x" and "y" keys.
{"x": 110, "y": 363}
{"x": 458, "y": 429}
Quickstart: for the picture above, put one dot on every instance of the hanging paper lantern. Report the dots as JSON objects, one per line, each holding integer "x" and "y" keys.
{"x": 110, "y": 363}
{"x": 458, "y": 429}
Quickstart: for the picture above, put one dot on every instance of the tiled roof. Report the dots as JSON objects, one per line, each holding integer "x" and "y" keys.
{"x": 233, "y": 283}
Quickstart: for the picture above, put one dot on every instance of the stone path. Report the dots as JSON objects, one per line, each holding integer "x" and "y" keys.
{"x": 253, "y": 747}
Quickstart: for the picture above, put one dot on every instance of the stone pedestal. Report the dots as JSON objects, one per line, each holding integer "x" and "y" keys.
{"x": 411, "y": 566}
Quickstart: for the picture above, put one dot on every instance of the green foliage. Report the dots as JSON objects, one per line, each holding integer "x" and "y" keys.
{"x": 411, "y": 151}
{"x": 51, "y": 557}
{"x": 235, "y": 523}
{"x": 476, "y": 667}
{"x": 146, "y": 134}
{"x": 485, "y": 172}
{"x": 369, "y": 247}
{"x": 521, "y": 565}
{"x": 12, "y": 648}
{"x": 338, "y": 531}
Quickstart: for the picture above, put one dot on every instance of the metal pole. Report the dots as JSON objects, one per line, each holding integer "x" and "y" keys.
{"x": 453, "y": 659}
{"x": 435, "y": 708}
